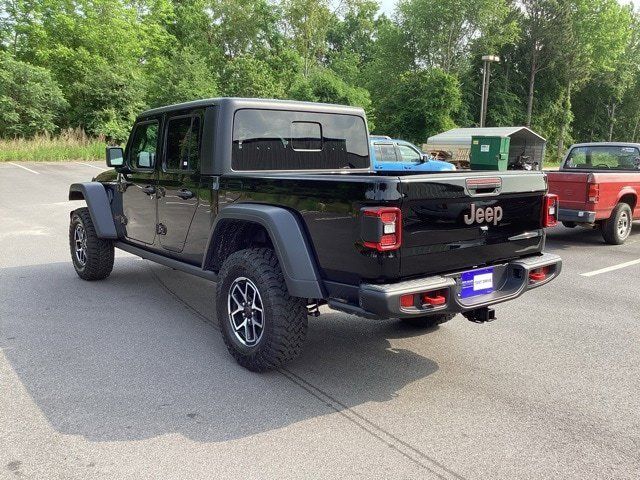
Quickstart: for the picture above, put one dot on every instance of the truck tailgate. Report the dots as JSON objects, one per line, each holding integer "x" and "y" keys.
{"x": 571, "y": 188}
{"x": 460, "y": 222}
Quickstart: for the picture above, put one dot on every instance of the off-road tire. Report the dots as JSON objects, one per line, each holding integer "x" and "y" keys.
{"x": 285, "y": 317}
{"x": 99, "y": 251}
{"x": 570, "y": 224}
{"x": 429, "y": 321}
{"x": 610, "y": 227}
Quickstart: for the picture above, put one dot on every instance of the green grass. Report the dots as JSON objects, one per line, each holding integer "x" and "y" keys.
{"x": 69, "y": 145}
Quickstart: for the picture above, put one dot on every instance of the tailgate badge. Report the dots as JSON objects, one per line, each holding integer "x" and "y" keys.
{"x": 483, "y": 215}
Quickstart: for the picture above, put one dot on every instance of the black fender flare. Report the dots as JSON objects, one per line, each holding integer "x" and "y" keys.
{"x": 99, "y": 206}
{"x": 287, "y": 235}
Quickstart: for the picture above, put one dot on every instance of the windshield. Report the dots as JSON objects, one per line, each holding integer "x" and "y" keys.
{"x": 603, "y": 157}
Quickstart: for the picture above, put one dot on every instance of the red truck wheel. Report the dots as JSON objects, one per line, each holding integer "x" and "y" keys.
{"x": 617, "y": 227}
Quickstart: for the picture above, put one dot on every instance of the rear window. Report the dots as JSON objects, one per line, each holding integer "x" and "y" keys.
{"x": 286, "y": 140}
{"x": 603, "y": 157}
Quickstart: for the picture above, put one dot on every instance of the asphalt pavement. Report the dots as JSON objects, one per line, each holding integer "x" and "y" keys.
{"x": 129, "y": 377}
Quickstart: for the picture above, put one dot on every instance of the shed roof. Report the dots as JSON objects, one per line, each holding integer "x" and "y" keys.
{"x": 462, "y": 136}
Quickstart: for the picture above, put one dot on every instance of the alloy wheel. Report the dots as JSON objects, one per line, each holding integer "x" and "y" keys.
{"x": 246, "y": 312}
{"x": 80, "y": 244}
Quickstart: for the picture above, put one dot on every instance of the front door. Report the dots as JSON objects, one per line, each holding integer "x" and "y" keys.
{"x": 139, "y": 195}
{"x": 179, "y": 179}
{"x": 410, "y": 157}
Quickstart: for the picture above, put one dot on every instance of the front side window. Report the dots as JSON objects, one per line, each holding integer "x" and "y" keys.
{"x": 144, "y": 145}
{"x": 183, "y": 143}
{"x": 603, "y": 157}
{"x": 288, "y": 140}
{"x": 385, "y": 152}
{"x": 409, "y": 154}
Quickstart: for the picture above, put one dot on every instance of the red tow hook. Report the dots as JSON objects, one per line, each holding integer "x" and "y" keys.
{"x": 538, "y": 274}
{"x": 433, "y": 298}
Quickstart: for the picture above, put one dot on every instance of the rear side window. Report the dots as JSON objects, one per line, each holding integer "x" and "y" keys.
{"x": 287, "y": 140}
{"x": 144, "y": 145}
{"x": 385, "y": 152}
{"x": 183, "y": 143}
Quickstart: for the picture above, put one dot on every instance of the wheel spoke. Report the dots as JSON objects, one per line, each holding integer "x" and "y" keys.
{"x": 242, "y": 324}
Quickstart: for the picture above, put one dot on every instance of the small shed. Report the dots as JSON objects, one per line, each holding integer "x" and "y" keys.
{"x": 456, "y": 143}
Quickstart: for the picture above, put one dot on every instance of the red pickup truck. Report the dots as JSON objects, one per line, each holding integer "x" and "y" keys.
{"x": 598, "y": 185}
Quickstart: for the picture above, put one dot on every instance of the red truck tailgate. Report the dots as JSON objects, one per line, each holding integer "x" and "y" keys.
{"x": 571, "y": 188}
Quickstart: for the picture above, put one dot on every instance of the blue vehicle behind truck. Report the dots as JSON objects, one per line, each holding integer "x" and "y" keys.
{"x": 389, "y": 155}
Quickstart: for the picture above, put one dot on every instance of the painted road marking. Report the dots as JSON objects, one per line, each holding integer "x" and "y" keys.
{"x": 612, "y": 268}
{"x": 92, "y": 166}
{"x": 24, "y": 168}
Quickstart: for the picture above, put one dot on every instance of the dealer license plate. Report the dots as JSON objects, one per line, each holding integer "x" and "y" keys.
{"x": 477, "y": 282}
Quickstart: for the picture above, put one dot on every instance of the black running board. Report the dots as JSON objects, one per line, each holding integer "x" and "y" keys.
{"x": 167, "y": 262}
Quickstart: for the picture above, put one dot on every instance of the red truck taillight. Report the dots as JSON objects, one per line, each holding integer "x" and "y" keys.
{"x": 382, "y": 228}
{"x": 550, "y": 210}
{"x": 593, "y": 192}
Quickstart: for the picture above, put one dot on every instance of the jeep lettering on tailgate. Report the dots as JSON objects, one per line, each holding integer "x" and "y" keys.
{"x": 481, "y": 215}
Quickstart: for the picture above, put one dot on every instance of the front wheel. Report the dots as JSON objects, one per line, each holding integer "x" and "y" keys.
{"x": 262, "y": 325}
{"x": 617, "y": 227}
{"x": 92, "y": 256}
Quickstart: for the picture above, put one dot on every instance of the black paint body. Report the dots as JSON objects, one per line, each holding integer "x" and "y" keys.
{"x": 328, "y": 204}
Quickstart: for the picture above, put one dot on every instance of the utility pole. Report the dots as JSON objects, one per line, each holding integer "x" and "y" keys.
{"x": 486, "y": 75}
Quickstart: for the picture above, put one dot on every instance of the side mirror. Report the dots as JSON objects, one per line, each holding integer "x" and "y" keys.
{"x": 115, "y": 157}
{"x": 424, "y": 158}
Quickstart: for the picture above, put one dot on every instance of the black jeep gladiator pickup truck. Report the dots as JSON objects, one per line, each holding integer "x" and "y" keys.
{"x": 276, "y": 201}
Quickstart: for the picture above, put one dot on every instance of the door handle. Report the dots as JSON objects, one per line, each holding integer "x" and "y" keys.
{"x": 185, "y": 194}
{"x": 149, "y": 189}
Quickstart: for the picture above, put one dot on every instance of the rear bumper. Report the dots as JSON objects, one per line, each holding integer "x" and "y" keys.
{"x": 510, "y": 281}
{"x": 578, "y": 216}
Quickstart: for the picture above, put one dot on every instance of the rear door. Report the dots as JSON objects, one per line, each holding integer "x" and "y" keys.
{"x": 139, "y": 186}
{"x": 464, "y": 220}
{"x": 179, "y": 178}
{"x": 386, "y": 157}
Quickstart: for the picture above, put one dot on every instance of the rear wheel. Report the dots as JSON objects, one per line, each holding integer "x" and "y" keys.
{"x": 617, "y": 227}
{"x": 569, "y": 224}
{"x": 428, "y": 321}
{"x": 92, "y": 256}
{"x": 261, "y": 324}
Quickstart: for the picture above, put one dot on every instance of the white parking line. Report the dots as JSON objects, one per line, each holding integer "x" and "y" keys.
{"x": 92, "y": 166}
{"x": 612, "y": 268}
{"x": 24, "y": 168}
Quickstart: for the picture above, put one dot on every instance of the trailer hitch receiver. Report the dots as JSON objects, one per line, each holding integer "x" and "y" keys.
{"x": 480, "y": 315}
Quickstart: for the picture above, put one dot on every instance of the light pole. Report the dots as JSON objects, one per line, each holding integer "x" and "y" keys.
{"x": 486, "y": 74}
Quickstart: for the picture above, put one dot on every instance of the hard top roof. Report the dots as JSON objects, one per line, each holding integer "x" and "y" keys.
{"x": 259, "y": 103}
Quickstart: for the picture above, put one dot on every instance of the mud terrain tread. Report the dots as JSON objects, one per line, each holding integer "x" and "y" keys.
{"x": 100, "y": 252}
{"x": 284, "y": 337}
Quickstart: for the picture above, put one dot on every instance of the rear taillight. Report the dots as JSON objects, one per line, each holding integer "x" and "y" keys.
{"x": 382, "y": 228}
{"x": 593, "y": 192}
{"x": 550, "y": 210}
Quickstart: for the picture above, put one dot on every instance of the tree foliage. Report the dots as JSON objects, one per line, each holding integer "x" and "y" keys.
{"x": 569, "y": 68}
{"x": 30, "y": 99}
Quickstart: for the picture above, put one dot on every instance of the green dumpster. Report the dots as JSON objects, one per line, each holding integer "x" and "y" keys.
{"x": 489, "y": 152}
